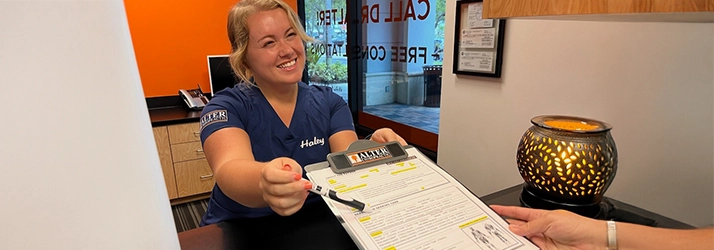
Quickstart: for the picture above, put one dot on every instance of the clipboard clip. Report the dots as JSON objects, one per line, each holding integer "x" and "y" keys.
{"x": 363, "y": 153}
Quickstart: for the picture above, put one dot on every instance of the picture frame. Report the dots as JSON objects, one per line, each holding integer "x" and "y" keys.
{"x": 478, "y": 43}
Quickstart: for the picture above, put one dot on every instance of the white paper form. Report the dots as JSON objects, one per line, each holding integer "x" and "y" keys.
{"x": 478, "y": 38}
{"x": 415, "y": 205}
{"x": 476, "y": 60}
{"x": 475, "y": 12}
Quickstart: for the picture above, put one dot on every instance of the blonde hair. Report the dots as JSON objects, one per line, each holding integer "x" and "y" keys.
{"x": 238, "y": 32}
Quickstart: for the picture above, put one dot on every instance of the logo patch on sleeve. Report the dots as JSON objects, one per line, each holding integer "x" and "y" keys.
{"x": 213, "y": 117}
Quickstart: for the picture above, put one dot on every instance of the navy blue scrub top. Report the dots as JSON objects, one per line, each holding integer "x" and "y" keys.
{"x": 319, "y": 113}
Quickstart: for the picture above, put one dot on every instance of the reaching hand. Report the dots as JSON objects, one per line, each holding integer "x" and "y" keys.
{"x": 558, "y": 229}
{"x": 384, "y": 135}
{"x": 282, "y": 185}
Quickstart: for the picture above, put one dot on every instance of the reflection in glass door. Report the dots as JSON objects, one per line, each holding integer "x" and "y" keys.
{"x": 327, "y": 56}
{"x": 394, "y": 50}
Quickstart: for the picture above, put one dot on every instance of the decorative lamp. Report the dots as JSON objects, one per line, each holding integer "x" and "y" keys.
{"x": 567, "y": 163}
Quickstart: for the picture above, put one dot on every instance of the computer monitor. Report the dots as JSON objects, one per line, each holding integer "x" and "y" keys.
{"x": 220, "y": 73}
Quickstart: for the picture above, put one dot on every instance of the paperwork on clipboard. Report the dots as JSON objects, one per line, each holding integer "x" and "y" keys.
{"x": 415, "y": 205}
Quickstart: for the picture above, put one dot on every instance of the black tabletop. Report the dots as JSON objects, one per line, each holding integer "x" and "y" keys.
{"x": 616, "y": 210}
{"x": 173, "y": 115}
{"x": 315, "y": 227}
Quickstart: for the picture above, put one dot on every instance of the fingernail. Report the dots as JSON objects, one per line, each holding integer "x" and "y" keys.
{"x": 287, "y": 167}
{"x": 308, "y": 186}
{"x": 297, "y": 177}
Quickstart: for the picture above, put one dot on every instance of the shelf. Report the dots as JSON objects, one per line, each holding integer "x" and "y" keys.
{"x": 603, "y": 10}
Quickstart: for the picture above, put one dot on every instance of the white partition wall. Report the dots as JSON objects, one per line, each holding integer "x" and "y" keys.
{"x": 653, "y": 81}
{"x": 78, "y": 162}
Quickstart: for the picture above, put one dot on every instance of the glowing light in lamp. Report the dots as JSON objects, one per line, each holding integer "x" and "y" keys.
{"x": 566, "y": 163}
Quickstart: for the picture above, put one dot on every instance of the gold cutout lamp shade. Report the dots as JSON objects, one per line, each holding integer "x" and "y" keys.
{"x": 566, "y": 163}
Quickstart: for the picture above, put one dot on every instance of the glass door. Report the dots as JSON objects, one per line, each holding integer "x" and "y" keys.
{"x": 327, "y": 56}
{"x": 391, "y": 52}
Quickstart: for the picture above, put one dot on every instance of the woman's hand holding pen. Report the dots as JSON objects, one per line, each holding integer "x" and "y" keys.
{"x": 283, "y": 186}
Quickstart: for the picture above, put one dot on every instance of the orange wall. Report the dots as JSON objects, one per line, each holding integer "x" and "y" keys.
{"x": 172, "y": 39}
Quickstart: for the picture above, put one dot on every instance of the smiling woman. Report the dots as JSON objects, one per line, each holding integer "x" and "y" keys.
{"x": 275, "y": 53}
{"x": 271, "y": 124}
{"x": 275, "y": 42}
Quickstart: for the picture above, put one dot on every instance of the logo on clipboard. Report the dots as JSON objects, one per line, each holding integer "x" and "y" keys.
{"x": 363, "y": 154}
{"x": 368, "y": 155}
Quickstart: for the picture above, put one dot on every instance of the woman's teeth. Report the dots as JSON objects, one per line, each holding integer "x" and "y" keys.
{"x": 287, "y": 64}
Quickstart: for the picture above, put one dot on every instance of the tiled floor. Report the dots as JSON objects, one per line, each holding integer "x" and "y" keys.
{"x": 425, "y": 118}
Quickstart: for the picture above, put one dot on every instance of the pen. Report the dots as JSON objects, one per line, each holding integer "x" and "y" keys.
{"x": 332, "y": 194}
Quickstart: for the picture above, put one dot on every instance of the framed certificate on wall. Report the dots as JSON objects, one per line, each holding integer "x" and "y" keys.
{"x": 478, "y": 42}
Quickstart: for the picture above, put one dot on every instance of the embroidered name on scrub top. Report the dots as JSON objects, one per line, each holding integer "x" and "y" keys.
{"x": 213, "y": 116}
{"x": 315, "y": 141}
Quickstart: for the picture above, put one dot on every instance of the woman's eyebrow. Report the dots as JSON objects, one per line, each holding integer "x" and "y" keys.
{"x": 272, "y": 36}
{"x": 289, "y": 30}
